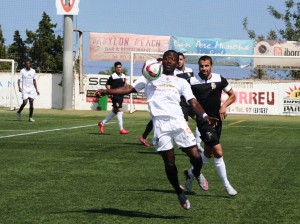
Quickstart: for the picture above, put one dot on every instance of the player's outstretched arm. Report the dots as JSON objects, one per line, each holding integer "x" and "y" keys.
{"x": 124, "y": 90}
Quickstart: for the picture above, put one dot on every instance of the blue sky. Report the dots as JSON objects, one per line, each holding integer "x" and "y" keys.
{"x": 191, "y": 18}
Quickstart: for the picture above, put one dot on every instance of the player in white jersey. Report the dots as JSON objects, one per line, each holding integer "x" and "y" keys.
{"x": 163, "y": 98}
{"x": 28, "y": 87}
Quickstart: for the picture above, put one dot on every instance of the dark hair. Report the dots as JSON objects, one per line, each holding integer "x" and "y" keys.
{"x": 180, "y": 54}
{"x": 205, "y": 58}
{"x": 168, "y": 52}
{"x": 117, "y": 63}
{"x": 159, "y": 59}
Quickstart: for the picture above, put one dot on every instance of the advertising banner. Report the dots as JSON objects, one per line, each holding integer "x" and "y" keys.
{"x": 277, "y": 48}
{"x": 268, "y": 98}
{"x": 216, "y": 46}
{"x": 117, "y": 46}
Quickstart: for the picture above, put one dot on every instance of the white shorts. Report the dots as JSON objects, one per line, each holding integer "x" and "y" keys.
{"x": 28, "y": 94}
{"x": 168, "y": 130}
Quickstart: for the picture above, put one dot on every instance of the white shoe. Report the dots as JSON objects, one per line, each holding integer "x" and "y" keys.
{"x": 18, "y": 116}
{"x": 184, "y": 202}
{"x": 230, "y": 190}
{"x": 31, "y": 120}
{"x": 203, "y": 183}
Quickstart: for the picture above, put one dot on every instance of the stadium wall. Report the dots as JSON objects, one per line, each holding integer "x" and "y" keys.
{"x": 262, "y": 97}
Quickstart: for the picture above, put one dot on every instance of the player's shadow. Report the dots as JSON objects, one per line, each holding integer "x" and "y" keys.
{"x": 125, "y": 213}
{"x": 189, "y": 193}
{"x": 97, "y": 133}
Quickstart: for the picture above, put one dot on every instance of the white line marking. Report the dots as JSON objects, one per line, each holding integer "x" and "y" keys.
{"x": 37, "y": 132}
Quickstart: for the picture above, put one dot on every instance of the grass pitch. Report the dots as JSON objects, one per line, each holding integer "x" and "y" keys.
{"x": 59, "y": 169}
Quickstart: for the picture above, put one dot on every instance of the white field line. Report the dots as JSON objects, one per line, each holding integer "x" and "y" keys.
{"x": 44, "y": 131}
{"x": 85, "y": 126}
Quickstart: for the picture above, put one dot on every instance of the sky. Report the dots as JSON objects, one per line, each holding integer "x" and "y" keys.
{"x": 190, "y": 18}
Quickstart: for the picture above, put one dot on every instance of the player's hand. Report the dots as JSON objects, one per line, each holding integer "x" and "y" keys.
{"x": 222, "y": 113}
{"x": 212, "y": 120}
{"x": 100, "y": 93}
{"x": 20, "y": 90}
{"x": 38, "y": 93}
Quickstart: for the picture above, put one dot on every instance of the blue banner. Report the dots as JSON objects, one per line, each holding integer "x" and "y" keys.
{"x": 215, "y": 46}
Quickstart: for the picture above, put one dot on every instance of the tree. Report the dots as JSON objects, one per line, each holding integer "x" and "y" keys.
{"x": 291, "y": 31}
{"x": 45, "y": 49}
{"x": 18, "y": 50}
{"x": 3, "y": 54}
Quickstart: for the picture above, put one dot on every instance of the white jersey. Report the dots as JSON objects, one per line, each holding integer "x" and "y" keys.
{"x": 163, "y": 94}
{"x": 26, "y": 77}
{"x": 186, "y": 70}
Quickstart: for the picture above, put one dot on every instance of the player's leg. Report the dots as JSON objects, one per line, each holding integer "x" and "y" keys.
{"x": 172, "y": 175}
{"x": 21, "y": 108}
{"x": 185, "y": 139}
{"x": 108, "y": 117}
{"x": 119, "y": 108}
{"x": 31, "y": 109}
{"x": 195, "y": 171}
{"x": 164, "y": 146}
{"x": 221, "y": 169}
{"x": 143, "y": 138}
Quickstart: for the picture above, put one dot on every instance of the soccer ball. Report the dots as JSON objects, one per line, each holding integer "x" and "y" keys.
{"x": 152, "y": 69}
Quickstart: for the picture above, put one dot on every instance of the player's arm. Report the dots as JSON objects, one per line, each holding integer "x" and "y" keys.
{"x": 197, "y": 107}
{"x": 19, "y": 85}
{"x": 227, "y": 103}
{"x": 124, "y": 90}
{"x": 35, "y": 86}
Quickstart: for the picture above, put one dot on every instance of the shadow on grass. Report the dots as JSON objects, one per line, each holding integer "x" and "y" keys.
{"x": 97, "y": 133}
{"x": 188, "y": 193}
{"x": 125, "y": 213}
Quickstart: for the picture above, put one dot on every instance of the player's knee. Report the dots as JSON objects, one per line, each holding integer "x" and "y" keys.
{"x": 210, "y": 138}
{"x": 218, "y": 151}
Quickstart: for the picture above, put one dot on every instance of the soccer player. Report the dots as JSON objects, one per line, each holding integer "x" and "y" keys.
{"x": 208, "y": 87}
{"x": 163, "y": 98}
{"x": 186, "y": 73}
{"x": 116, "y": 80}
{"x": 28, "y": 87}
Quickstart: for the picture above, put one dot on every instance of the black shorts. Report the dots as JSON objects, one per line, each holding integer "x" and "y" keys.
{"x": 117, "y": 102}
{"x": 210, "y": 135}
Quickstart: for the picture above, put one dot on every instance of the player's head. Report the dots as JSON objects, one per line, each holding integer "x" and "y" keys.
{"x": 27, "y": 64}
{"x": 118, "y": 67}
{"x": 205, "y": 66}
{"x": 170, "y": 61}
{"x": 181, "y": 61}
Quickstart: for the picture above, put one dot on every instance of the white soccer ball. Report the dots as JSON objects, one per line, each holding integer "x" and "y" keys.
{"x": 152, "y": 69}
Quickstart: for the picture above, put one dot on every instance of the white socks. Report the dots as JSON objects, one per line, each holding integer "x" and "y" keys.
{"x": 198, "y": 140}
{"x": 120, "y": 119}
{"x": 221, "y": 169}
{"x": 108, "y": 117}
{"x": 204, "y": 159}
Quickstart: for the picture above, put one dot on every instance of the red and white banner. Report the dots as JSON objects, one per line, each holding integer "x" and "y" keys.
{"x": 117, "y": 46}
{"x": 67, "y": 7}
{"x": 268, "y": 98}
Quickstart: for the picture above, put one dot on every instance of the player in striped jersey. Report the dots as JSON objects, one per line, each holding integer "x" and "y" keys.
{"x": 207, "y": 88}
